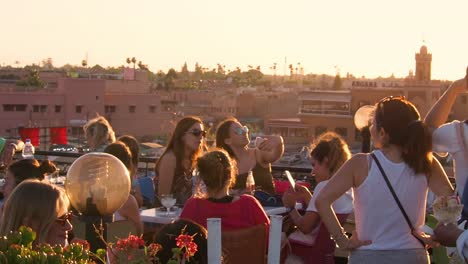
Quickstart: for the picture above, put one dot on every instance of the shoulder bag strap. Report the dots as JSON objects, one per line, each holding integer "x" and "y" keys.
{"x": 396, "y": 198}
{"x": 461, "y": 137}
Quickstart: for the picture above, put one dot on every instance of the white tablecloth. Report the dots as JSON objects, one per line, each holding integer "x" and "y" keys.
{"x": 150, "y": 215}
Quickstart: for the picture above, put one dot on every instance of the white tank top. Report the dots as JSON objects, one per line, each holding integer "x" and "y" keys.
{"x": 378, "y": 217}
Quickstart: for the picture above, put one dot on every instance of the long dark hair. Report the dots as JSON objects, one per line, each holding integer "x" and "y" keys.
{"x": 222, "y": 133}
{"x": 176, "y": 144}
{"x": 132, "y": 144}
{"x": 401, "y": 121}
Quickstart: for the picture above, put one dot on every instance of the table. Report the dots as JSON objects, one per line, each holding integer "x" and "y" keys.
{"x": 150, "y": 216}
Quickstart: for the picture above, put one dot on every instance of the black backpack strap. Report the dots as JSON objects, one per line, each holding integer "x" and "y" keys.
{"x": 396, "y": 199}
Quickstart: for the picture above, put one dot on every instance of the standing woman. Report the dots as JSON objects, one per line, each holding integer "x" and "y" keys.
{"x": 233, "y": 137}
{"x": 99, "y": 133}
{"x": 174, "y": 168}
{"x": 404, "y": 151}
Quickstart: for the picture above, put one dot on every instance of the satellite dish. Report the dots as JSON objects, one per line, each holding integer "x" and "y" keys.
{"x": 97, "y": 184}
{"x": 363, "y": 116}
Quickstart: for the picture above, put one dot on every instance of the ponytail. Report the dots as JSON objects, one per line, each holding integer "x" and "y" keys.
{"x": 47, "y": 167}
{"x": 417, "y": 150}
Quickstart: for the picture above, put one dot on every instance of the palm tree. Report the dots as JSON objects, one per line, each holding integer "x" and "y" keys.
{"x": 134, "y": 62}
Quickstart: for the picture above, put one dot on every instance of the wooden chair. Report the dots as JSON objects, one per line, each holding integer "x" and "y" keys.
{"x": 247, "y": 245}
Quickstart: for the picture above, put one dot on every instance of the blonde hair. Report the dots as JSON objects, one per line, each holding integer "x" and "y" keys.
{"x": 216, "y": 169}
{"x": 33, "y": 200}
{"x": 333, "y": 147}
{"x": 100, "y": 130}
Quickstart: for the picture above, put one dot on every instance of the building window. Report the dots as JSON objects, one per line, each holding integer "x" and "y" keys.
{"x": 109, "y": 108}
{"x": 8, "y": 108}
{"x": 152, "y": 109}
{"x": 58, "y": 108}
{"x": 464, "y": 99}
{"x": 78, "y": 109}
{"x": 14, "y": 107}
{"x": 21, "y": 107}
{"x": 132, "y": 109}
{"x": 39, "y": 108}
{"x": 342, "y": 131}
{"x": 320, "y": 130}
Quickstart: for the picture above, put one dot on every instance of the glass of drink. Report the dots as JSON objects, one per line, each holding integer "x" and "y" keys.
{"x": 250, "y": 183}
{"x": 168, "y": 201}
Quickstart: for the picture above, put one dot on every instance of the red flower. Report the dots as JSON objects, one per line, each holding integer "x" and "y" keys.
{"x": 184, "y": 240}
{"x": 153, "y": 249}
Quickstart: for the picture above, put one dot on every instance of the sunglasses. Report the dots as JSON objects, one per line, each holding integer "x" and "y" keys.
{"x": 197, "y": 133}
{"x": 241, "y": 130}
{"x": 64, "y": 218}
{"x": 382, "y": 102}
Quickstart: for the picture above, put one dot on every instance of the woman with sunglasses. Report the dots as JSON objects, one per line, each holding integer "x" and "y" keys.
{"x": 41, "y": 206}
{"x": 174, "y": 169}
{"x": 404, "y": 154}
{"x": 233, "y": 137}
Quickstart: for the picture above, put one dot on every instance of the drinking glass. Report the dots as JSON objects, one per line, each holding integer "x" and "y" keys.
{"x": 168, "y": 201}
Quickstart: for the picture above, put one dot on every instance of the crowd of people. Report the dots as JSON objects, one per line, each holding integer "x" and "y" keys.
{"x": 386, "y": 189}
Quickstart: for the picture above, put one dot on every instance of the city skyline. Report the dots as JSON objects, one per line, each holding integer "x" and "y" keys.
{"x": 360, "y": 37}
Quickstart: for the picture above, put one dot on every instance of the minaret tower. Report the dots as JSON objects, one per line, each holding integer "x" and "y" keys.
{"x": 423, "y": 65}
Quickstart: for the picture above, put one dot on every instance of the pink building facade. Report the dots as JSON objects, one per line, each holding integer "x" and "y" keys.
{"x": 71, "y": 102}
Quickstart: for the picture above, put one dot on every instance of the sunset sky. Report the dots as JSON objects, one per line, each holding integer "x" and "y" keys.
{"x": 362, "y": 37}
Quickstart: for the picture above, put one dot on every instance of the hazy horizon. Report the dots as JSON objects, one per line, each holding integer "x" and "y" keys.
{"x": 362, "y": 37}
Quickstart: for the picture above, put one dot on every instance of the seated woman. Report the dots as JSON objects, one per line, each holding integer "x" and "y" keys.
{"x": 129, "y": 210}
{"x": 41, "y": 206}
{"x": 132, "y": 144}
{"x": 166, "y": 237}
{"x": 217, "y": 171}
{"x": 175, "y": 167}
{"x": 99, "y": 133}
{"x": 312, "y": 241}
{"x": 234, "y": 138}
{"x": 22, "y": 170}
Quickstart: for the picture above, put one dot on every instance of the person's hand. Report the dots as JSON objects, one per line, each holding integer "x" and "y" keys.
{"x": 303, "y": 193}
{"x": 289, "y": 198}
{"x": 7, "y": 155}
{"x": 354, "y": 242}
{"x": 460, "y": 86}
{"x": 447, "y": 234}
{"x": 428, "y": 240}
{"x": 270, "y": 143}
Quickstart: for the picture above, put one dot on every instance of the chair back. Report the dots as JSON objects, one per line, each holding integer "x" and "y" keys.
{"x": 246, "y": 245}
{"x": 147, "y": 190}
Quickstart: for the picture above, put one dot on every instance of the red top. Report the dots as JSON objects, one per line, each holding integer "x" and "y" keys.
{"x": 241, "y": 213}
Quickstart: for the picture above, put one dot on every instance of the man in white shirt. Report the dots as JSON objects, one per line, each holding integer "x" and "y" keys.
{"x": 452, "y": 138}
